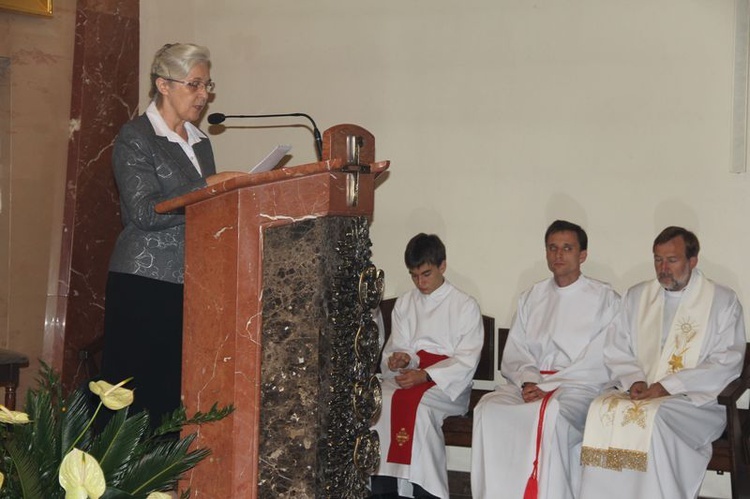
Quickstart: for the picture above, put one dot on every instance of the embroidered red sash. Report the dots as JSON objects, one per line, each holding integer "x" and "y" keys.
{"x": 404, "y": 406}
{"x": 532, "y": 485}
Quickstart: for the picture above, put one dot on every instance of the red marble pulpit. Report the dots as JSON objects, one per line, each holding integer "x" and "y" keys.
{"x": 225, "y": 359}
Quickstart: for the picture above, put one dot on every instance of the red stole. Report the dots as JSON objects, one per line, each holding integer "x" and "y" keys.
{"x": 404, "y": 406}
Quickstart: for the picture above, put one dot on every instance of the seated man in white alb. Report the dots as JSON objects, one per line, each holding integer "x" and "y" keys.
{"x": 553, "y": 363}
{"x": 679, "y": 340}
{"x": 428, "y": 365}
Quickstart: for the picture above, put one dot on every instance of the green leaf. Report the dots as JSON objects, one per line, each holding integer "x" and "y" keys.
{"x": 178, "y": 419}
{"x": 134, "y": 460}
{"x": 114, "y": 493}
{"x": 40, "y": 440}
{"x": 28, "y": 476}
{"x": 163, "y": 465}
{"x": 115, "y": 448}
{"x": 74, "y": 422}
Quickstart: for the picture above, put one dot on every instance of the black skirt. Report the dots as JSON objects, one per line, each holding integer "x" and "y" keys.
{"x": 143, "y": 340}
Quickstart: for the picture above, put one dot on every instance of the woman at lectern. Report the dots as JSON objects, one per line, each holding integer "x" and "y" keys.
{"x": 159, "y": 155}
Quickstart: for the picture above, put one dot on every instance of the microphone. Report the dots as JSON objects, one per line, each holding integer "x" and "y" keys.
{"x": 217, "y": 118}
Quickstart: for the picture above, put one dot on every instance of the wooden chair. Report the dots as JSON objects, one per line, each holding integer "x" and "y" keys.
{"x": 10, "y": 367}
{"x": 731, "y": 452}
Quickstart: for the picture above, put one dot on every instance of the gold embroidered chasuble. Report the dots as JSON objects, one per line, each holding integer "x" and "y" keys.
{"x": 618, "y": 429}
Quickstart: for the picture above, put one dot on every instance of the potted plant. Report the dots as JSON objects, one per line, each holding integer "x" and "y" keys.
{"x": 54, "y": 449}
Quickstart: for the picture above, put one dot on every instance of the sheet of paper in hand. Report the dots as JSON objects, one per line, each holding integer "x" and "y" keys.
{"x": 272, "y": 159}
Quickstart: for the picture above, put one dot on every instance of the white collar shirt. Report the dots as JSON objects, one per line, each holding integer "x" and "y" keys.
{"x": 162, "y": 130}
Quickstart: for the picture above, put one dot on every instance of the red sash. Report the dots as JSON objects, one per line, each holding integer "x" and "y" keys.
{"x": 404, "y": 406}
{"x": 532, "y": 485}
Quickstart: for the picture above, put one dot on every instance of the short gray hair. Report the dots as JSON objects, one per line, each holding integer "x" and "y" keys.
{"x": 175, "y": 60}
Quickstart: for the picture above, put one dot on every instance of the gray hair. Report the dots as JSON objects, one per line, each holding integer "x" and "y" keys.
{"x": 175, "y": 60}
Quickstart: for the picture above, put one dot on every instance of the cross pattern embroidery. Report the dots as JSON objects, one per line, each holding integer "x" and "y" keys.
{"x": 683, "y": 338}
{"x": 402, "y": 437}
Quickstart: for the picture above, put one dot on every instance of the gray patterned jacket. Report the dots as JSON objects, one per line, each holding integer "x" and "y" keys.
{"x": 148, "y": 170}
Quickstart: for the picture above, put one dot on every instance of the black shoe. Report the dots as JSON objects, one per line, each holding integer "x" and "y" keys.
{"x": 384, "y": 487}
{"x": 420, "y": 493}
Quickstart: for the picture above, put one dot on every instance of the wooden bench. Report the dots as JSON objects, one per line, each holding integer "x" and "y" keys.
{"x": 457, "y": 430}
{"x": 731, "y": 452}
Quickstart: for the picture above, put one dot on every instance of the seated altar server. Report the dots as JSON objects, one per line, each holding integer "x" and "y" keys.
{"x": 527, "y": 433}
{"x": 428, "y": 364}
{"x": 679, "y": 340}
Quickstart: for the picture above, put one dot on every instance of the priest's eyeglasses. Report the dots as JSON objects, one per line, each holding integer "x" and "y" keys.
{"x": 195, "y": 85}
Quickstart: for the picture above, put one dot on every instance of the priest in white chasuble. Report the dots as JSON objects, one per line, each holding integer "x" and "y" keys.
{"x": 527, "y": 433}
{"x": 679, "y": 340}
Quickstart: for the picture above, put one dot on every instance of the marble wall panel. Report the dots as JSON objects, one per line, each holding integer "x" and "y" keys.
{"x": 4, "y": 193}
{"x": 309, "y": 429}
{"x": 104, "y": 97}
{"x": 295, "y": 271}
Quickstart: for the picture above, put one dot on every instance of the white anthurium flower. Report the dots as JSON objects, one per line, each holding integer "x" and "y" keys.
{"x": 159, "y": 495}
{"x": 113, "y": 397}
{"x": 81, "y": 476}
{"x": 13, "y": 417}
{"x": 2, "y": 480}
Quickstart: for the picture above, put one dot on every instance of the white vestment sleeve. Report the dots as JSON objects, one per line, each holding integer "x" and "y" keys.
{"x": 400, "y": 340}
{"x": 518, "y": 365}
{"x": 454, "y": 374}
{"x": 588, "y": 367}
{"x": 619, "y": 349}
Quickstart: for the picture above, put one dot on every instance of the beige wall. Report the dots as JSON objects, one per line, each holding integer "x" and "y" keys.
{"x": 498, "y": 116}
{"x": 32, "y": 171}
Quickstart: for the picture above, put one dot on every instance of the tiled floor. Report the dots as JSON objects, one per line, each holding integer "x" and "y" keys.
{"x": 460, "y": 485}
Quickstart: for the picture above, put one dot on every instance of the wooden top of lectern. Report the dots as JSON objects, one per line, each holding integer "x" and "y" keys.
{"x": 252, "y": 179}
{"x": 334, "y": 152}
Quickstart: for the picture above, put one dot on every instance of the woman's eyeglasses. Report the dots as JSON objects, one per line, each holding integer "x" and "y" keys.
{"x": 195, "y": 85}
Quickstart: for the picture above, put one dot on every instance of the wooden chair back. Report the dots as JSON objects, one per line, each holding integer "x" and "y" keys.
{"x": 731, "y": 450}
